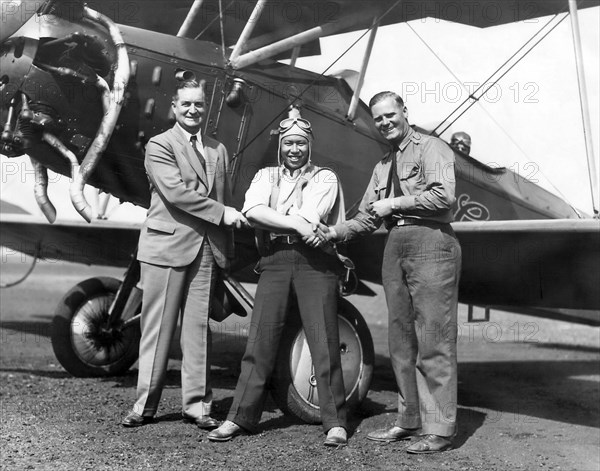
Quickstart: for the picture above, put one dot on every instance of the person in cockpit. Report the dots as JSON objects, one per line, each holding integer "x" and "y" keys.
{"x": 461, "y": 141}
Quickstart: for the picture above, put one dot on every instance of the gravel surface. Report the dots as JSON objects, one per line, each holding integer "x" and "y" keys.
{"x": 529, "y": 395}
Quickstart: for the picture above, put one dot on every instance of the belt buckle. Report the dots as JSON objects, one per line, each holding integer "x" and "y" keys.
{"x": 401, "y": 222}
{"x": 288, "y": 240}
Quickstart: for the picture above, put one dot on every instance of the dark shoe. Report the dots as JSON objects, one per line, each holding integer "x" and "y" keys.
{"x": 206, "y": 422}
{"x": 226, "y": 431}
{"x": 133, "y": 419}
{"x": 336, "y": 436}
{"x": 393, "y": 434}
{"x": 430, "y": 444}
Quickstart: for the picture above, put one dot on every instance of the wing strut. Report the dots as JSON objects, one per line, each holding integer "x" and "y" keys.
{"x": 249, "y": 58}
{"x": 585, "y": 112}
{"x": 247, "y": 31}
{"x": 189, "y": 19}
{"x": 363, "y": 69}
{"x": 294, "y": 56}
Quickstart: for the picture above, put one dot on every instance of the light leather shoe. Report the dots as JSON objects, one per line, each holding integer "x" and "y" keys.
{"x": 336, "y": 436}
{"x": 430, "y": 444}
{"x": 226, "y": 431}
{"x": 206, "y": 422}
{"x": 133, "y": 419}
{"x": 393, "y": 434}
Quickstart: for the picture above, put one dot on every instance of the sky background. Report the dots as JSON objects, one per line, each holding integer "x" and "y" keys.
{"x": 535, "y": 126}
{"x": 539, "y": 131}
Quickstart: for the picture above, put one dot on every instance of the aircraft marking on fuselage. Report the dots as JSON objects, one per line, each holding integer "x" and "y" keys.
{"x": 470, "y": 210}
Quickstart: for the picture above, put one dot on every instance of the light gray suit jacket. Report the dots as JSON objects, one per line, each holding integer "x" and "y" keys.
{"x": 187, "y": 203}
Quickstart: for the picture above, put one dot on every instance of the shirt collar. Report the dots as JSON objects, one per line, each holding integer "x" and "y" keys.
{"x": 407, "y": 139}
{"x": 285, "y": 171}
{"x": 188, "y": 135}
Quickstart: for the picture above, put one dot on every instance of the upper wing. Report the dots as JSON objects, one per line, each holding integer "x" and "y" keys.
{"x": 100, "y": 243}
{"x": 281, "y": 19}
{"x": 222, "y": 21}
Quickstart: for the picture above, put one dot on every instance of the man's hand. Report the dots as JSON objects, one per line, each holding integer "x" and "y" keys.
{"x": 381, "y": 208}
{"x": 233, "y": 218}
{"x": 323, "y": 235}
{"x": 305, "y": 229}
{"x": 326, "y": 233}
{"x": 314, "y": 239}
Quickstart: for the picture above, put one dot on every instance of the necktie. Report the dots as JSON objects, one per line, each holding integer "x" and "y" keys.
{"x": 194, "y": 142}
{"x": 393, "y": 179}
{"x": 397, "y": 188}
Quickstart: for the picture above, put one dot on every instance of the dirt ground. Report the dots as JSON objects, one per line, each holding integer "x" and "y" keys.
{"x": 529, "y": 398}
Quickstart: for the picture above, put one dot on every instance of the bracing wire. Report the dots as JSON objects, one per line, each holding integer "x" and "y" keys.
{"x": 36, "y": 256}
{"x": 506, "y": 133}
{"x": 213, "y": 20}
{"x": 475, "y": 98}
{"x": 312, "y": 83}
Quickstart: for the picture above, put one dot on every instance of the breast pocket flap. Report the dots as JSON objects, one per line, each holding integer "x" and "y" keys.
{"x": 381, "y": 190}
{"x": 161, "y": 226}
{"x": 408, "y": 170}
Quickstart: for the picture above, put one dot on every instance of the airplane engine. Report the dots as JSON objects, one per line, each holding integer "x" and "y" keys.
{"x": 64, "y": 75}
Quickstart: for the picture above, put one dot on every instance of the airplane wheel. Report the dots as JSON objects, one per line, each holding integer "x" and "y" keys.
{"x": 294, "y": 387}
{"x": 82, "y": 341}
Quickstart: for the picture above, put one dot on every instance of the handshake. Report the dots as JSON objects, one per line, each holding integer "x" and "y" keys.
{"x": 233, "y": 218}
{"x": 317, "y": 235}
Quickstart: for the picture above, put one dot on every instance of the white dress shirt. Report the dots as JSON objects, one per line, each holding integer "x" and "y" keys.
{"x": 317, "y": 198}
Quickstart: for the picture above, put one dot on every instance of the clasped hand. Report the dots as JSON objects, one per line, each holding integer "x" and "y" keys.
{"x": 380, "y": 208}
{"x": 233, "y": 218}
{"x": 320, "y": 234}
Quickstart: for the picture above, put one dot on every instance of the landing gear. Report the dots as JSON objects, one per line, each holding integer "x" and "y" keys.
{"x": 295, "y": 388}
{"x": 85, "y": 341}
{"x": 96, "y": 332}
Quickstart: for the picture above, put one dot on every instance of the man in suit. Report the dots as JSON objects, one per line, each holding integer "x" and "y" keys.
{"x": 182, "y": 241}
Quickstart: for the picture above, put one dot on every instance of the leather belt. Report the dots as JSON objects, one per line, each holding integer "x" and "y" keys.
{"x": 416, "y": 222}
{"x": 287, "y": 239}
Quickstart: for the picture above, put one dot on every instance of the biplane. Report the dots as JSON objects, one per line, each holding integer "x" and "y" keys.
{"x": 84, "y": 86}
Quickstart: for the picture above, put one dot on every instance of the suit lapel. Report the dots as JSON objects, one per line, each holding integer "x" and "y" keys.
{"x": 191, "y": 157}
{"x": 212, "y": 157}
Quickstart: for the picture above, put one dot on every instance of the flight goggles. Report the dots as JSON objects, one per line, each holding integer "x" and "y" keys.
{"x": 288, "y": 123}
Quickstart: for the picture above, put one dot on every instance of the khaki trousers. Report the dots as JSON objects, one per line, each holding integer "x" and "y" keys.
{"x": 421, "y": 270}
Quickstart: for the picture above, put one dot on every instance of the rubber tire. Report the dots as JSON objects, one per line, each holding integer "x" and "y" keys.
{"x": 285, "y": 393}
{"x": 94, "y": 295}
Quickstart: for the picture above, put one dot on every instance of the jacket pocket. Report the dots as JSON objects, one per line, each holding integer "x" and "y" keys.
{"x": 381, "y": 191}
{"x": 161, "y": 226}
{"x": 408, "y": 170}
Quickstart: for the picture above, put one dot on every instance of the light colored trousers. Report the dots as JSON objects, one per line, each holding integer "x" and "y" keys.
{"x": 167, "y": 291}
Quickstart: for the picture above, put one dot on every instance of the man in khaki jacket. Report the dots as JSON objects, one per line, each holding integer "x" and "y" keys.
{"x": 412, "y": 191}
{"x": 182, "y": 241}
